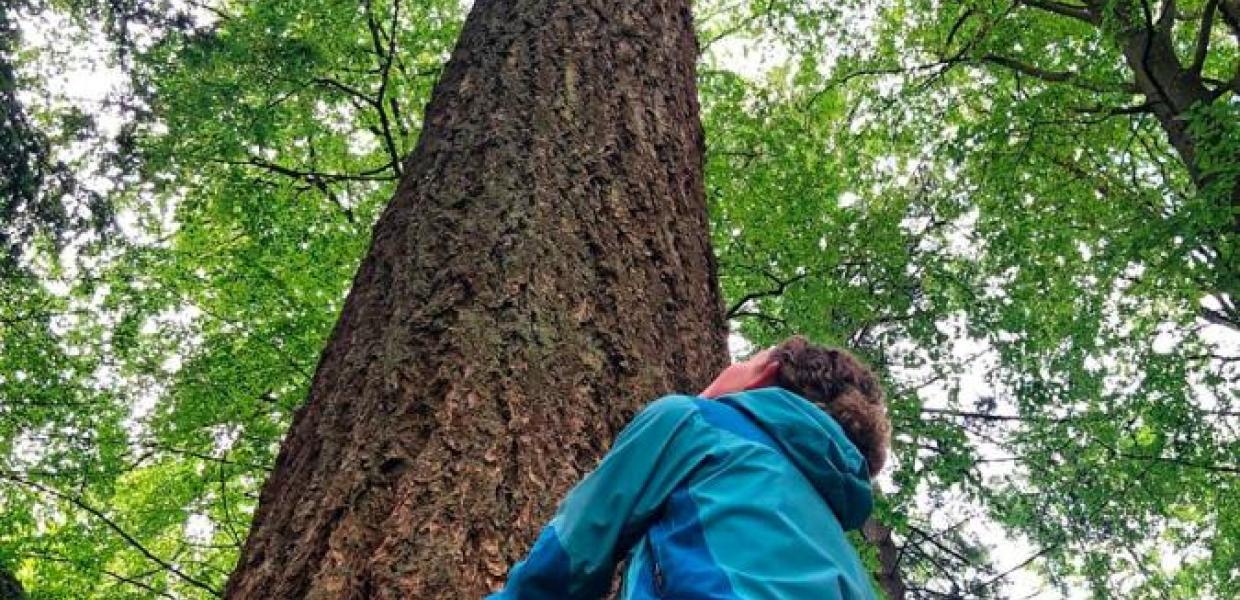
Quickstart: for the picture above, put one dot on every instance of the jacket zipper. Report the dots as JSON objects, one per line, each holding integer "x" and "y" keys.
{"x": 658, "y": 579}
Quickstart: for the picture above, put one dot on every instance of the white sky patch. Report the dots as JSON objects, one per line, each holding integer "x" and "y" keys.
{"x": 225, "y": 436}
{"x": 738, "y": 346}
{"x": 199, "y": 528}
{"x": 90, "y": 77}
{"x": 749, "y": 58}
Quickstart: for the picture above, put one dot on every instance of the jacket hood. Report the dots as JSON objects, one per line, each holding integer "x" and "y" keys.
{"x": 816, "y": 444}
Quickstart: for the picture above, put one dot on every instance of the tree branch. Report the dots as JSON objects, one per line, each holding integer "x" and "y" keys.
{"x": 841, "y": 80}
{"x": 344, "y": 87}
{"x": 780, "y": 286}
{"x": 386, "y": 56}
{"x": 117, "y": 576}
{"x": 997, "y": 578}
{"x": 960, "y": 21}
{"x": 129, "y": 539}
{"x": 755, "y": 15}
{"x": 206, "y": 457}
{"x": 981, "y": 416}
{"x": 932, "y": 538}
{"x": 326, "y": 189}
{"x": 1203, "y": 38}
{"x": 1078, "y": 12}
{"x": 367, "y": 175}
{"x": 1066, "y": 77}
{"x": 1151, "y": 30}
{"x": 219, "y": 13}
{"x": 1230, "y": 10}
{"x": 1111, "y": 111}
{"x": 761, "y": 317}
{"x": 1166, "y": 19}
{"x": 1221, "y": 317}
{"x": 888, "y": 576}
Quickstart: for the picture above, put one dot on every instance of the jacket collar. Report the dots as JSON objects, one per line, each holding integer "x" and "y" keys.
{"x": 816, "y": 444}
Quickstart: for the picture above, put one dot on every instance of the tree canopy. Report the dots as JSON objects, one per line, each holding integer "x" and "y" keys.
{"x": 1022, "y": 212}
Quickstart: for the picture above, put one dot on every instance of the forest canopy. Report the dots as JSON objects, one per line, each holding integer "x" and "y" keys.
{"x": 1022, "y": 213}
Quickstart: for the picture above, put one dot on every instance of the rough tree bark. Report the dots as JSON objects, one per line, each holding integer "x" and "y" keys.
{"x": 10, "y": 587}
{"x": 543, "y": 270}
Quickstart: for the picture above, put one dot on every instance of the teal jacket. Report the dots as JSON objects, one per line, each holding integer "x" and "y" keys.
{"x": 747, "y": 496}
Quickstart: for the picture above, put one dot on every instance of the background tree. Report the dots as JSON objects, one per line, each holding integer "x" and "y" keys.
{"x": 1019, "y": 217}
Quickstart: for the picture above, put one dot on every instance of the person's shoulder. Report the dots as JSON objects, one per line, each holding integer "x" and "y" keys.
{"x": 667, "y": 416}
{"x": 671, "y": 405}
{"x": 672, "y": 410}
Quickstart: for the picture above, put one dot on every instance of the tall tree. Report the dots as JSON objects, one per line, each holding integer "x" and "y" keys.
{"x": 543, "y": 269}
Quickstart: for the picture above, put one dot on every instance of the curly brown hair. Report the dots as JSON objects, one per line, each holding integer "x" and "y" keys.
{"x": 844, "y": 387}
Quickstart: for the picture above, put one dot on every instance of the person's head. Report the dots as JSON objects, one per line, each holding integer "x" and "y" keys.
{"x": 831, "y": 378}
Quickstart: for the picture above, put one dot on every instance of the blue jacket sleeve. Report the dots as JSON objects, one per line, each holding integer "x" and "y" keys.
{"x": 577, "y": 551}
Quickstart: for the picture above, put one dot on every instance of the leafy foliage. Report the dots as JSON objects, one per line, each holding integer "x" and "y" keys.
{"x": 977, "y": 196}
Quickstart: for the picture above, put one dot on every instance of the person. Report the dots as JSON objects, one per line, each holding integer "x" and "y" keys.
{"x": 743, "y": 491}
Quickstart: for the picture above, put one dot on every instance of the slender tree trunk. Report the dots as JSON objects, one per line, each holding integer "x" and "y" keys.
{"x": 543, "y": 270}
{"x": 10, "y": 587}
{"x": 889, "y": 577}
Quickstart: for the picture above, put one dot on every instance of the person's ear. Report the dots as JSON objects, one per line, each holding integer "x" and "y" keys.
{"x": 766, "y": 376}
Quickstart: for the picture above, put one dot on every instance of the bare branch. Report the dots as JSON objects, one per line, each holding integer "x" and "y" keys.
{"x": 206, "y": 457}
{"x": 346, "y": 88}
{"x": 934, "y": 541}
{"x": 841, "y": 80}
{"x": 1065, "y": 77}
{"x": 1024, "y": 563}
{"x": 1203, "y": 38}
{"x": 1166, "y": 18}
{"x": 1230, "y": 10}
{"x": 1075, "y": 11}
{"x": 1217, "y": 468}
{"x": 981, "y": 416}
{"x": 219, "y": 13}
{"x": 737, "y": 27}
{"x": 780, "y": 286}
{"x": 1221, "y": 317}
{"x": 385, "y": 55}
{"x": 776, "y": 321}
{"x": 1208, "y": 356}
{"x": 372, "y": 174}
{"x": 1111, "y": 111}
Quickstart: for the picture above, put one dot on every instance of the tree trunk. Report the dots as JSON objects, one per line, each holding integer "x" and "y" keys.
{"x": 10, "y": 587}
{"x": 543, "y": 270}
{"x": 1172, "y": 88}
{"x": 889, "y": 577}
